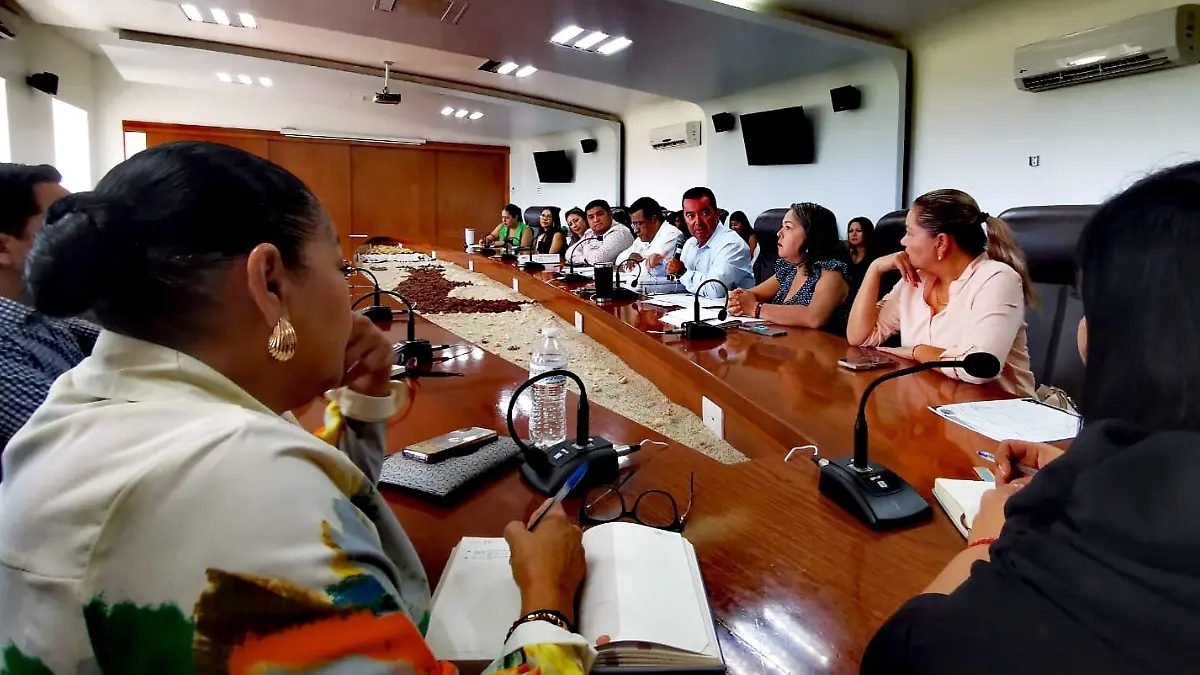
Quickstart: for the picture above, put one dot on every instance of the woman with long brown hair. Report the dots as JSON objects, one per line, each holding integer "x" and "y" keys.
{"x": 965, "y": 289}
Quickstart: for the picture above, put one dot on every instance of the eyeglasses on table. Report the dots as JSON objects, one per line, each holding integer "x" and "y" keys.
{"x": 606, "y": 504}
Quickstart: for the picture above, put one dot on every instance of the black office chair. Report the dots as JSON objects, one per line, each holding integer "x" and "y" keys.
{"x": 766, "y": 230}
{"x": 889, "y": 230}
{"x": 533, "y": 218}
{"x": 1048, "y": 235}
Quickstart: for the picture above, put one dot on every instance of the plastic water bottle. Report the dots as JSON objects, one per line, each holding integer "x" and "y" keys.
{"x": 548, "y": 420}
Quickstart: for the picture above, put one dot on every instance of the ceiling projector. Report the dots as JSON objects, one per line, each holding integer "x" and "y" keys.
{"x": 386, "y": 97}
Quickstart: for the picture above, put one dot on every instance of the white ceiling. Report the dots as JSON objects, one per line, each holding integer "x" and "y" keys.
{"x": 885, "y": 18}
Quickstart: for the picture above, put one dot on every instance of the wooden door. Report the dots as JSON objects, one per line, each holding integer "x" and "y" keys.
{"x": 395, "y": 193}
{"x": 472, "y": 188}
{"x": 325, "y": 169}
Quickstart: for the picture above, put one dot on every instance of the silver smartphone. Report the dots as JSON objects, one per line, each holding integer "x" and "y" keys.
{"x": 873, "y": 362}
{"x": 453, "y": 444}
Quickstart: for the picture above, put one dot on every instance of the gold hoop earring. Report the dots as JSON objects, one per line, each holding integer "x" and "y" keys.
{"x": 282, "y": 345}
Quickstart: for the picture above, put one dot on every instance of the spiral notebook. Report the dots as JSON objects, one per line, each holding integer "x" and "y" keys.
{"x": 643, "y": 590}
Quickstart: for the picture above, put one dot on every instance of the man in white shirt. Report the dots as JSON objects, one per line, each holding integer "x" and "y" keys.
{"x": 713, "y": 252}
{"x": 604, "y": 241}
{"x": 654, "y": 238}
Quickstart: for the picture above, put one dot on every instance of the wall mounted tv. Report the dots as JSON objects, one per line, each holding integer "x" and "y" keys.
{"x": 554, "y": 166}
{"x": 783, "y": 136}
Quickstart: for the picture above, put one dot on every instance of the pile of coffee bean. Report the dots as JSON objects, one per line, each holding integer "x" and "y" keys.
{"x": 428, "y": 289}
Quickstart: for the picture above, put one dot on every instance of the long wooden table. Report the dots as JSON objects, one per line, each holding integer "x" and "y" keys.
{"x": 797, "y": 585}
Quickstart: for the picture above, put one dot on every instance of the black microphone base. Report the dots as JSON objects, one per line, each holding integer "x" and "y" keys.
{"x": 532, "y": 267}
{"x": 702, "y": 331}
{"x": 620, "y": 295}
{"x": 572, "y": 278}
{"x": 565, "y": 458}
{"x": 508, "y": 258}
{"x": 413, "y": 353}
{"x": 378, "y": 313}
{"x": 880, "y": 498}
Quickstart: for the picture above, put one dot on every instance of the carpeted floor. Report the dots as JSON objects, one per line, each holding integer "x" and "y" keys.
{"x": 511, "y": 331}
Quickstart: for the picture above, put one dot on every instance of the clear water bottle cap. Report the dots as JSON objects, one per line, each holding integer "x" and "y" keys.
{"x": 550, "y": 331}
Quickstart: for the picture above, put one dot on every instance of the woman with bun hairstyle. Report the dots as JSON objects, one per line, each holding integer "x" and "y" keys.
{"x": 163, "y": 512}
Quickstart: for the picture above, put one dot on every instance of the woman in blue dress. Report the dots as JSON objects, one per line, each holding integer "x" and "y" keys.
{"x": 810, "y": 288}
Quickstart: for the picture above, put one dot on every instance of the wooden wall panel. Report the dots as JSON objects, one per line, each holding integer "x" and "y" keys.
{"x": 471, "y": 190}
{"x": 325, "y": 169}
{"x": 252, "y": 144}
{"x": 395, "y": 192}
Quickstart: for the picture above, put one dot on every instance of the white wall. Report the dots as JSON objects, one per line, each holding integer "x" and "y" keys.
{"x": 974, "y": 130}
{"x": 597, "y": 174}
{"x": 858, "y": 153}
{"x": 663, "y": 174}
{"x": 41, "y": 48}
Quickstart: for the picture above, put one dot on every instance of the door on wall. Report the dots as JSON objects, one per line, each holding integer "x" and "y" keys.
{"x": 325, "y": 169}
{"x": 471, "y": 191}
{"x": 395, "y": 192}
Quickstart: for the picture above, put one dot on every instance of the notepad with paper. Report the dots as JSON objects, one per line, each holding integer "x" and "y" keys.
{"x": 1016, "y": 419}
{"x": 960, "y": 500}
{"x": 643, "y": 590}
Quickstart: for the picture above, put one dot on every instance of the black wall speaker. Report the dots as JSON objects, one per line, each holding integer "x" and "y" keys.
{"x": 588, "y": 145}
{"x": 846, "y": 98}
{"x": 723, "y": 122}
{"x": 44, "y": 82}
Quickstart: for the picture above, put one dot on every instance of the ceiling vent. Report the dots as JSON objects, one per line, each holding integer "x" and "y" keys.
{"x": 446, "y": 11}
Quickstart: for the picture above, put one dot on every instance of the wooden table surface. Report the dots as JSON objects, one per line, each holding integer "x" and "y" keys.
{"x": 797, "y": 585}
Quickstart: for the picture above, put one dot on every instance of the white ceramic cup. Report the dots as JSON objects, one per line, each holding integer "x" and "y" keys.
{"x": 470, "y": 235}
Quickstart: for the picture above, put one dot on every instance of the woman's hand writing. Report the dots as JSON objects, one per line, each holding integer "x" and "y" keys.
{"x": 548, "y": 563}
{"x": 990, "y": 520}
{"x": 1032, "y": 455}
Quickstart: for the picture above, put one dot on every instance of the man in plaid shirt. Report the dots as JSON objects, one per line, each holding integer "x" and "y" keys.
{"x": 34, "y": 350}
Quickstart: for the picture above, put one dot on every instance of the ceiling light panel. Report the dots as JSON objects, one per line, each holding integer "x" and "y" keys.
{"x": 590, "y": 40}
{"x": 507, "y": 68}
{"x": 565, "y": 35}
{"x": 266, "y": 81}
{"x": 476, "y": 116}
{"x": 448, "y": 111}
{"x": 218, "y": 16}
{"x": 526, "y": 71}
{"x": 245, "y": 79}
{"x": 224, "y": 77}
{"x": 613, "y": 46}
{"x": 462, "y": 112}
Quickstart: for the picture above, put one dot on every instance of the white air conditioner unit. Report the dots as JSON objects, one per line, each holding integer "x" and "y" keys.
{"x": 10, "y": 23}
{"x": 1163, "y": 39}
{"x": 685, "y": 135}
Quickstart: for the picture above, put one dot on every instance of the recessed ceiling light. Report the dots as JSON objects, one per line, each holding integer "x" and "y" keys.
{"x": 247, "y": 20}
{"x": 476, "y": 115}
{"x": 507, "y": 68}
{"x": 462, "y": 112}
{"x": 220, "y": 16}
{"x": 567, "y": 34}
{"x": 224, "y": 77}
{"x": 192, "y": 12}
{"x": 245, "y": 79}
{"x": 594, "y": 38}
{"x": 266, "y": 81}
{"x": 448, "y": 111}
{"x": 615, "y": 45}
{"x": 526, "y": 71}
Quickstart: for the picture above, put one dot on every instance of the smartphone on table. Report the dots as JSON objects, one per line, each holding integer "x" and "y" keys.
{"x": 761, "y": 329}
{"x": 453, "y": 444}
{"x": 869, "y": 362}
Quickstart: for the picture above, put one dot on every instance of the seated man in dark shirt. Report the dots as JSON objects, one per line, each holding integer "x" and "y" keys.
{"x": 34, "y": 350}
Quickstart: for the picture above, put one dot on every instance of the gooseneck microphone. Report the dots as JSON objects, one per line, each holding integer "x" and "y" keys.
{"x": 872, "y": 493}
{"x": 411, "y": 353}
{"x": 700, "y": 330}
{"x": 571, "y": 277}
{"x": 547, "y": 469}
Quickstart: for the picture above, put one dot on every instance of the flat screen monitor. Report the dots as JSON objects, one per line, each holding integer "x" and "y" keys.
{"x": 554, "y": 166}
{"x": 783, "y": 136}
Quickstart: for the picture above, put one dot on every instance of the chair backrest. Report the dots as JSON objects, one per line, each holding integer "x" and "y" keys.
{"x": 766, "y": 230}
{"x": 533, "y": 218}
{"x": 1048, "y": 236}
{"x": 889, "y": 230}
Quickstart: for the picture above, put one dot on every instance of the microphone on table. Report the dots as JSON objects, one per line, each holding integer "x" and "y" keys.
{"x": 872, "y": 493}
{"x": 571, "y": 277}
{"x": 547, "y": 469}
{"x": 699, "y": 330}
{"x": 529, "y": 265}
{"x": 412, "y": 353}
{"x": 377, "y": 312}
{"x": 620, "y": 294}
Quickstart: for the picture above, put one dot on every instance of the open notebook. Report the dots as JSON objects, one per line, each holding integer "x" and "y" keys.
{"x": 960, "y": 500}
{"x": 643, "y": 590}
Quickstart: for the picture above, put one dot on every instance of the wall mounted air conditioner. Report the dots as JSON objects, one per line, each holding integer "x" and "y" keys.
{"x": 685, "y": 135}
{"x": 10, "y": 23}
{"x": 1163, "y": 39}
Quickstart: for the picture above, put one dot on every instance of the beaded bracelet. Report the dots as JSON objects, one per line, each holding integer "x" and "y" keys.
{"x": 986, "y": 541}
{"x": 549, "y": 615}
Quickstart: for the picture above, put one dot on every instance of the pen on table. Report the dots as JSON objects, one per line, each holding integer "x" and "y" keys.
{"x": 558, "y": 496}
{"x": 1023, "y": 469}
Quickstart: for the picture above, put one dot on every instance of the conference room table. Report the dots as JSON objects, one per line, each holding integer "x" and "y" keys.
{"x": 796, "y": 584}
